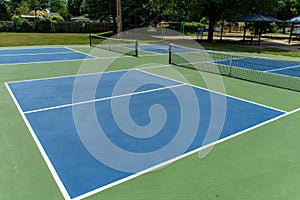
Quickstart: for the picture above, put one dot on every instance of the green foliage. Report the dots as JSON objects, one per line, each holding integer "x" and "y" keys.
{"x": 40, "y": 24}
{"x": 23, "y": 8}
{"x": 134, "y": 14}
{"x": 74, "y": 7}
{"x": 44, "y": 25}
{"x": 288, "y": 9}
{"x": 3, "y": 10}
{"x": 100, "y": 9}
{"x": 59, "y": 6}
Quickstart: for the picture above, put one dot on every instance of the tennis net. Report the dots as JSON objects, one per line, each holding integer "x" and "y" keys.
{"x": 251, "y": 69}
{"x": 124, "y": 46}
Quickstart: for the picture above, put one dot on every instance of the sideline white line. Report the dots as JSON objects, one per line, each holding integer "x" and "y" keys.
{"x": 248, "y": 101}
{"x": 279, "y": 69}
{"x": 40, "y": 147}
{"x": 103, "y": 99}
{"x": 294, "y": 111}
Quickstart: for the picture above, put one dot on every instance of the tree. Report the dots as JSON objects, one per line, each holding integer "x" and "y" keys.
{"x": 3, "y": 10}
{"x": 100, "y": 9}
{"x": 74, "y": 7}
{"x": 59, "y": 6}
{"x": 134, "y": 13}
{"x": 288, "y": 9}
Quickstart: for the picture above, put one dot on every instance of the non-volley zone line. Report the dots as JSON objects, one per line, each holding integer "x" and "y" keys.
{"x": 106, "y": 98}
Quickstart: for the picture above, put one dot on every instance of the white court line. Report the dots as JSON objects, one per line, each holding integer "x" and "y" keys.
{"x": 50, "y": 61}
{"x": 103, "y": 99}
{"x": 92, "y": 73}
{"x": 69, "y": 48}
{"x": 283, "y": 68}
{"x": 40, "y": 147}
{"x": 33, "y": 54}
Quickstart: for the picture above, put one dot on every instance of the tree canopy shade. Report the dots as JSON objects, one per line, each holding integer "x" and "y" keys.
{"x": 257, "y": 18}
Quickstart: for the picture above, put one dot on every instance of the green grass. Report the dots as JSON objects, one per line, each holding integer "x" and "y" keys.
{"x": 260, "y": 164}
{"x": 29, "y": 39}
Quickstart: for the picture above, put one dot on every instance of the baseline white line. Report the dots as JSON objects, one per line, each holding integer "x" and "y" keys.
{"x": 40, "y": 147}
{"x": 283, "y": 68}
{"x": 248, "y": 101}
{"x": 103, "y": 99}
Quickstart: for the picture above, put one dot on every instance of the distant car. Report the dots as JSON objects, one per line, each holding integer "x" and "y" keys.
{"x": 162, "y": 25}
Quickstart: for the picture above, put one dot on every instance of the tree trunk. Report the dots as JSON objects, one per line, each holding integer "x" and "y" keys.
{"x": 211, "y": 24}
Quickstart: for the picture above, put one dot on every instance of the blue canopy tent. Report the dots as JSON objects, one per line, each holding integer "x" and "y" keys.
{"x": 293, "y": 21}
{"x": 255, "y": 17}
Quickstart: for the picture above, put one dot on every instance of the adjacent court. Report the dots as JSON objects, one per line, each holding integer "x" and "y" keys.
{"x": 33, "y": 55}
{"x": 285, "y": 68}
{"x": 142, "y": 120}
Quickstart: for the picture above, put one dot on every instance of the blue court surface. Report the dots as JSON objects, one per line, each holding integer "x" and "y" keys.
{"x": 33, "y": 55}
{"x": 286, "y": 68}
{"x": 98, "y": 130}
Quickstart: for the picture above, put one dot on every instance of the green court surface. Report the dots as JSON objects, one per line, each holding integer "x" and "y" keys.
{"x": 260, "y": 164}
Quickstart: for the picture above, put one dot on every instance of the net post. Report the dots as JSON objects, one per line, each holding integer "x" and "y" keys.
{"x": 90, "y": 40}
{"x": 230, "y": 65}
{"x": 136, "y": 48}
{"x": 170, "y": 52}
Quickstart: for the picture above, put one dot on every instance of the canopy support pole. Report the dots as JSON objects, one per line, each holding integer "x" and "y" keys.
{"x": 244, "y": 37}
{"x": 290, "y": 38}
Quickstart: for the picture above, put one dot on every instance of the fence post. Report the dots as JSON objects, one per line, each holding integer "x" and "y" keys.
{"x": 136, "y": 48}
{"x": 90, "y": 40}
{"x": 230, "y": 65}
{"x": 170, "y": 52}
